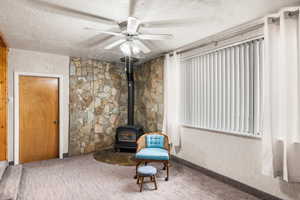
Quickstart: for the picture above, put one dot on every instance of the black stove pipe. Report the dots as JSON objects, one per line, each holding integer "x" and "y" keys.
{"x": 130, "y": 83}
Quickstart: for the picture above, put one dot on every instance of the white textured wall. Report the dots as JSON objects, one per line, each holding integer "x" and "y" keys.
{"x": 35, "y": 62}
{"x": 233, "y": 156}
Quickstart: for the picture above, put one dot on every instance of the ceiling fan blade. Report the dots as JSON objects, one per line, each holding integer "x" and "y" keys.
{"x": 132, "y": 25}
{"x": 106, "y": 32}
{"x": 131, "y": 7}
{"x": 114, "y": 44}
{"x": 96, "y": 41}
{"x": 171, "y": 22}
{"x": 155, "y": 36}
{"x": 141, "y": 46}
{"x": 54, "y": 8}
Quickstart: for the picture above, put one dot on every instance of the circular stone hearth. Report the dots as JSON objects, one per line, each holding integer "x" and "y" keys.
{"x": 115, "y": 158}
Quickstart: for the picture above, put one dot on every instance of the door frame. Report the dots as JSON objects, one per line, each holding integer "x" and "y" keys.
{"x": 17, "y": 111}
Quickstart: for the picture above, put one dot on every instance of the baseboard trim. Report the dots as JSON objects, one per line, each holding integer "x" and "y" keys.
{"x": 65, "y": 155}
{"x": 241, "y": 186}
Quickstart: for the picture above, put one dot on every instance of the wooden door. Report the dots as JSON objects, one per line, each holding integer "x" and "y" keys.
{"x": 39, "y": 117}
{"x": 3, "y": 101}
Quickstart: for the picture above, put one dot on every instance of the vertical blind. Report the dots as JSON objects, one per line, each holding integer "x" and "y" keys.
{"x": 221, "y": 89}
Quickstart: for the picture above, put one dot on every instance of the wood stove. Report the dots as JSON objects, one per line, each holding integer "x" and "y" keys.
{"x": 127, "y": 135}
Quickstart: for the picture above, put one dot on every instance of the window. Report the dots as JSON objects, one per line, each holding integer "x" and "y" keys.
{"x": 220, "y": 89}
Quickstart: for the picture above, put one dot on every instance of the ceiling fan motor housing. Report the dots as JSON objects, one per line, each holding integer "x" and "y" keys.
{"x": 130, "y": 26}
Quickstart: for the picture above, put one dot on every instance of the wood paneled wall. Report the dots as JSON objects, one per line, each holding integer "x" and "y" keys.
{"x": 3, "y": 100}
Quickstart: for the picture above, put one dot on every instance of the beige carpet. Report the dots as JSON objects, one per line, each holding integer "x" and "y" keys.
{"x": 83, "y": 178}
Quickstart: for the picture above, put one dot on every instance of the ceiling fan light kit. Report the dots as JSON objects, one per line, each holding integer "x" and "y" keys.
{"x": 128, "y": 48}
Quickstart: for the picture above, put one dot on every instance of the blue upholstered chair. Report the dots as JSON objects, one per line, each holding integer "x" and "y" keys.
{"x": 153, "y": 147}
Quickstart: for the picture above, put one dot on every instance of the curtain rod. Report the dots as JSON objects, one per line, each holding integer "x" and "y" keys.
{"x": 259, "y": 37}
{"x": 223, "y": 35}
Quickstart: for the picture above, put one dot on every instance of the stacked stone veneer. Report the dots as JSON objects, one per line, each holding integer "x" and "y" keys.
{"x": 149, "y": 94}
{"x": 98, "y": 101}
{"x": 98, "y": 104}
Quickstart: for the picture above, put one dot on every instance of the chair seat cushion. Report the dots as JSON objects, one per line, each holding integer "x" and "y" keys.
{"x": 147, "y": 171}
{"x": 152, "y": 154}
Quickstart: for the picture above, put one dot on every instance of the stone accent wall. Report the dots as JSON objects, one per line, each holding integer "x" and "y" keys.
{"x": 98, "y": 101}
{"x": 149, "y": 99}
{"x": 98, "y": 104}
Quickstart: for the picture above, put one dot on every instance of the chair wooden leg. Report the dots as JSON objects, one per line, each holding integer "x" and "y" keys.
{"x": 167, "y": 165}
{"x": 138, "y": 180}
{"x": 164, "y": 168}
{"x": 142, "y": 182}
{"x": 136, "y": 169}
{"x": 154, "y": 178}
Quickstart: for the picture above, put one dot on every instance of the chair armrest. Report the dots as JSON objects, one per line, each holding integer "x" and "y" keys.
{"x": 141, "y": 143}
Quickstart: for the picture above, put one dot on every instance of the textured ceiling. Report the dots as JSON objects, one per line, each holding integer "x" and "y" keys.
{"x": 26, "y": 24}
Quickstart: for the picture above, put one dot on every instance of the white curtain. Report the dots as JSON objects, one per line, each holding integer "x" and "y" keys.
{"x": 281, "y": 96}
{"x": 171, "y": 123}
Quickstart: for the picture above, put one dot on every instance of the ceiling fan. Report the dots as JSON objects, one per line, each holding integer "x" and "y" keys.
{"x": 130, "y": 38}
{"x": 130, "y": 41}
